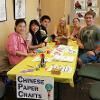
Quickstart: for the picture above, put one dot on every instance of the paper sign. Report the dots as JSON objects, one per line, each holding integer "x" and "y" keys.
{"x": 41, "y": 88}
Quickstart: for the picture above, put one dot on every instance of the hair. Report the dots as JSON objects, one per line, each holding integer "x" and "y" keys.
{"x": 62, "y": 29}
{"x": 77, "y": 19}
{"x": 35, "y": 22}
{"x": 91, "y": 12}
{"x": 45, "y": 17}
{"x": 19, "y": 21}
{"x": 62, "y": 18}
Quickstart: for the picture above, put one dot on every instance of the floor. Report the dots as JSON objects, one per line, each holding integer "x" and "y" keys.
{"x": 79, "y": 92}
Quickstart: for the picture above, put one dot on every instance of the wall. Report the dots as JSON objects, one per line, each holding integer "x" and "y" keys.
{"x": 59, "y": 8}
{"x": 97, "y": 19}
{"x": 8, "y": 26}
{"x": 53, "y": 8}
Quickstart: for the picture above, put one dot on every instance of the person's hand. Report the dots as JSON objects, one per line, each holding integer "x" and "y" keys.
{"x": 81, "y": 46}
{"x": 46, "y": 40}
{"x": 31, "y": 54}
{"x": 41, "y": 45}
{"x": 72, "y": 38}
{"x": 68, "y": 37}
{"x": 90, "y": 53}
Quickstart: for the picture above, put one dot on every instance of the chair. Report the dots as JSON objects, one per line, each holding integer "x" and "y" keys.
{"x": 92, "y": 71}
{"x": 2, "y": 89}
{"x": 94, "y": 91}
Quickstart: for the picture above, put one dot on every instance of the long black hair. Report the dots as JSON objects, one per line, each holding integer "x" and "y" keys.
{"x": 35, "y": 22}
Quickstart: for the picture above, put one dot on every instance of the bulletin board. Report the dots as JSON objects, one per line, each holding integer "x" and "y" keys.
{"x": 82, "y": 6}
{"x": 3, "y": 13}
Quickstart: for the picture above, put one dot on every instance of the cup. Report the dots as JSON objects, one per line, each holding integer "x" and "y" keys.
{"x": 48, "y": 51}
{"x": 57, "y": 42}
{"x": 45, "y": 43}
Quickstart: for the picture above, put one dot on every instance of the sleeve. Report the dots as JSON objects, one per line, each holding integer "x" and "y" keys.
{"x": 80, "y": 34}
{"x": 98, "y": 35}
{"x": 12, "y": 45}
{"x": 28, "y": 37}
{"x": 43, "y": 35}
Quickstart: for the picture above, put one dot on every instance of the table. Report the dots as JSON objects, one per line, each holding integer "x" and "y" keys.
{"x": 27, "y": 63}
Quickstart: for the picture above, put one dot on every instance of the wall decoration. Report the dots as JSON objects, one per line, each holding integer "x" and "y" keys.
{"x": 19, "y": 9}
{"x": 96, "y": 10}
{"x": 79, "y": 4}
{"x": 80, "y": 14}
{"x": 91, "y": 3}
{"x": 82, "y": 6}
{"x": 3, "y": 14}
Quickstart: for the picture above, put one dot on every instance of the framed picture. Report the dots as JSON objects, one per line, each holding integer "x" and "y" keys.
{"x": 80, "y": 14}
{"x": 3, "y": 13}
{"x": 19, "y": 9}
{"x": 91, "y": 3}
{"x": 79, "y": 4}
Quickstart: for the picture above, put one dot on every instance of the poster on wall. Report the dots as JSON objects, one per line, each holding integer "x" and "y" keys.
{"x": 79, "y": 4}
{"x": 19, "y": 9}
{"x": 91, "y": 3}
{"x": 96, "y": 10}
{"x": 80, "y": 14}
{"x": 3, "y": 15}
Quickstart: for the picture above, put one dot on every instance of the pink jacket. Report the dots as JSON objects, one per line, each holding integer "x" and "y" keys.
{"x": 16, "y": 43}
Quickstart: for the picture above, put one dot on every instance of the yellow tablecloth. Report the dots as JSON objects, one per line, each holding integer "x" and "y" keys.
{"x": 64, "y": 77}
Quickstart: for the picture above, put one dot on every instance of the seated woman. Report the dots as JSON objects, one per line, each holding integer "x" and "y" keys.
{"x": 61, "y": 31}
{"x": 17, "y": 48}
{"x": 75, "y": 30}
{"x": 36, "y": 37}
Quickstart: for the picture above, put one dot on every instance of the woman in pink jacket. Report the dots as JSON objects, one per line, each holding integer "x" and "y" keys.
{"x": 16, "y": 45}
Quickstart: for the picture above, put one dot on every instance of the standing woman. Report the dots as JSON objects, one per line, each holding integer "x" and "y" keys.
{"x": 16, "y": 45}
{"x": 35, "y": 38}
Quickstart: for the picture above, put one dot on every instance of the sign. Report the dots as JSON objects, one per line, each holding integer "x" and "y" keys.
{"x": 35, "y": 87}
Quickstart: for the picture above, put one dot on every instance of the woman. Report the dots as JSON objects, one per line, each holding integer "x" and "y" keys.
{"x": 75, "y": 29}
{"x": 16, "y": 46}
{"x": 74, "y": 32}
{"x": 61, "y": 32}
{"x": 35, "y": 37}
{"x": 61, "y": 29}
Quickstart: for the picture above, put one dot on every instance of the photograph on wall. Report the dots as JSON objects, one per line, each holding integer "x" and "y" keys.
{"x": 3, "y": 14}
{"x": 91, "y": 3}
{"x": 96, "y": 10}
{"x": 19, "y": 7}
{"x": 80, "y": 14}
{"x": 79, "y": 4}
